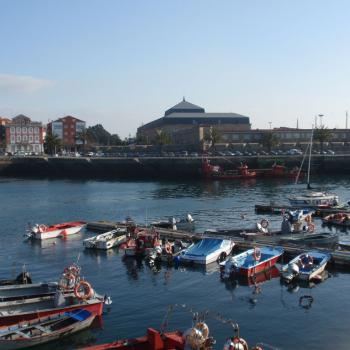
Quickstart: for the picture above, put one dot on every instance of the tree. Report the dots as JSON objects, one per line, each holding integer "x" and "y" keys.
{"x": 99, "y": 136}
{"x": 322, "y": 135}
{"x": 212, "y": 136}
{"x": 83, "y": 137}
{"x": 161, "y": 138}
{"x": 51, "y": 143}
{"x": 269, "y": 140}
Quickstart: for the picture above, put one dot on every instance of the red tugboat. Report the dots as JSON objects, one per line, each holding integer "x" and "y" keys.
{"x": 215, "y": 172}
{"x": 279, "y": 171}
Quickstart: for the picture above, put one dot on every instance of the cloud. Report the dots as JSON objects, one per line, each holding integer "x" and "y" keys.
{"x": 22, "y": 83}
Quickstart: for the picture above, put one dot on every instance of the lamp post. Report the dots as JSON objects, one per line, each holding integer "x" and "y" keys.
{"x": 270, "y": 123}
{"x": 321, "y": 116}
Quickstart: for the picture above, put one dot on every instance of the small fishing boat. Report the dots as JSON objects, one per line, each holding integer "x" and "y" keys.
{"x": 142, "y": 244}
{"x": 337, "y": 219}
{"x": 186, "y": 224}
{"x": 208, "y": 250}
{"x": 312, "y": 239}
{"x": 106, "y": 240}
{"x": 42, "y": 330}
{"x": 28, "y": 302}
{"x": 58, "y": 230}
{"x": 23, "y": 278}
{"x": 250, "y": 262}
{"x": 306, "y": 266}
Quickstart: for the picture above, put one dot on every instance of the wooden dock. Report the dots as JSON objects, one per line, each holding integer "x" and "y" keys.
{"x": 339, "y": 258}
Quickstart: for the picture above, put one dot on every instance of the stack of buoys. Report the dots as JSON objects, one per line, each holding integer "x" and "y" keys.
{"x": 196, "y": 336}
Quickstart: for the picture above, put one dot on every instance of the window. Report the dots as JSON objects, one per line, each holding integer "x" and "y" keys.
{"x": 12, "y": 130}
{"x": 30, "y": 130}
{"x": 66, "y": 133}
{"x": 30, "y": 138}
{"x": 66, "y": 126}
{"x": 18, "y": 129}
{"x": 13, "y": 139}
{"x": 18, "y": 138}
{"x": 36, "y": 130}
{"x": 36, "y": 139}
{"x": 25, "y": 138}
{"x": 24, "y": 130}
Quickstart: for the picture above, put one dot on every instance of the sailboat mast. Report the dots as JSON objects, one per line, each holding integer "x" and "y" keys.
{"x": 309, "y": 165}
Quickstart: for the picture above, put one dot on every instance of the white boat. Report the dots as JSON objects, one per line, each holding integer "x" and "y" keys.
{"x": 187, "y": 224}
{"x": 208, "y": 250}
{"x": 58, "y": 230}
{"x": 106, "y": 240}
{"x": 314, "y": 200}
{"x": 306, "y": 266}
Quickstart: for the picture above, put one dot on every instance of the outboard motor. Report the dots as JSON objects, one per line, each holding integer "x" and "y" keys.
{"x": 189, "y": 218}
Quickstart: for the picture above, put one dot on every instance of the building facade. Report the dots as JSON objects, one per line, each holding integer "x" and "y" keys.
{"x": 187, "y": 124}
{"x": 24, "y": 135}
{"x": 68, "y": 129}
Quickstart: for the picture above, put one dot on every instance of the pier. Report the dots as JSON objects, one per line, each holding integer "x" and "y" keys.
{"x": 339, "y": 258}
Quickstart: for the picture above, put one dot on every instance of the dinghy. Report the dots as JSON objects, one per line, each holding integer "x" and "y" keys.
{"x": 208, "y": 250}
{"x": 58, "y": 230}
{"x": 306, "y": 266}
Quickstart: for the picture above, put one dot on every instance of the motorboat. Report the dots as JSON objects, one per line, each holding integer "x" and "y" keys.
{"x": 337, "y": 219}
{"x": 297, "y": 221}
{"x": 186, "y": 224}
{"x": 23, "y": 278}
{"x": 250, "y": 262}
{"x": 306, "y": 266}
{"x": 106, "y": 240}
{"x": 314, "y": 200}
{"x": 58, "y": 230}
{"x": 312, "y": 239}
{"x": 142, "y": 244}
{"x": 208, "y": 250}
{"x": 42, "y": 330}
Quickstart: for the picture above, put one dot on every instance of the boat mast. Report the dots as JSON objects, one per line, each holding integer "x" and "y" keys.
{"x": 309, "y": 165}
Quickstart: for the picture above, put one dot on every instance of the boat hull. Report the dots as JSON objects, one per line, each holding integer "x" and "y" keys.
{"x": 58, "y": 233}
{"x": 93, "y": 306}
{"x": 258, "y": 268}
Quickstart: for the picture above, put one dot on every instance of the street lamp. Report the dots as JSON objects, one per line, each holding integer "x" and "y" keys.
{"x": 320, "y": 116}
{"x": 270, "y": 124}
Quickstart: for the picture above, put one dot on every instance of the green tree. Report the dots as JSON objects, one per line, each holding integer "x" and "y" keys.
{"x": 212, "y": 136}
{"x": 82, "y": 136}
{"x": 269, "y": 140}
{"x": 98, "y": 135}
{"x": 322, "y": 135}
{"x": 52, "y": 143}
{"x": 161, "y": 139}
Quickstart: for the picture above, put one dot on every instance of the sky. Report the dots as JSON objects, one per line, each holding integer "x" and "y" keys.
{"x": 123, "y": 63}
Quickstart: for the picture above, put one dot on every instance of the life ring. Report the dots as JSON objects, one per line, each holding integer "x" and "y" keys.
{"x": 83, "y": 290}
{"x": 42, "y": 228}
{"x": 310, "y": 227}
{"x": 201, "y": 326}
{"x": 168, "y": 248}
{"x": 306, "y": 260}
{"x": 257, "y": 254}
{"x": 67, "y": 281}
{"x": 264, "y": 223}
{"x": 239, "y": 343}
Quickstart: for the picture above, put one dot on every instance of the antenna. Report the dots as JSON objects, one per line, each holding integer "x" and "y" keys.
{"x": 309, "y": 165}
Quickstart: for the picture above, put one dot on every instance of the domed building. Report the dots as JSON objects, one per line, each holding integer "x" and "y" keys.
{"x": 187, "y": 123}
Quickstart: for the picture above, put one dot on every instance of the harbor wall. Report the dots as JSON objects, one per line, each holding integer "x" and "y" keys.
{"x": 155, "y": 168}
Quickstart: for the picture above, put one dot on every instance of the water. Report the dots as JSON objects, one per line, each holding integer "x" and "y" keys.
{"x": 141, "y": 295}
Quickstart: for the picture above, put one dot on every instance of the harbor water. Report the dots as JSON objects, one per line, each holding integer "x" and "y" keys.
{"x": 141, "y": 295}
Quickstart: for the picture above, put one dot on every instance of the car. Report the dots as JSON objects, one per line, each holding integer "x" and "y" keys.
{"x": 330, "y": 152}
{"x": 194, "y": 154}
{"x": 239, "y": 153}
{"x": 90, "y": 154}
{"x": 264, "y": 153}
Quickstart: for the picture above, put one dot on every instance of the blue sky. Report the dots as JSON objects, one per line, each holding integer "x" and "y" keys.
{"x": 123, "y": 63}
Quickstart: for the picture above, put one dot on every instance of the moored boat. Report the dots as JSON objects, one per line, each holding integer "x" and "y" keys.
{"x": 45, "y": 329}
{"x": 143, "y": 243}
{"x": 337, "y": 219}
{"x": 106, "y": 240}
{"x": 208, "y": 250}
{"x": 312, "y": 199}
{"x": 306, "y": 266}
{"x": 250, "y": 262}
{"x": 312, "y": 239}
{"x": 58, "y": 230}
{"x": 186, "y": 224}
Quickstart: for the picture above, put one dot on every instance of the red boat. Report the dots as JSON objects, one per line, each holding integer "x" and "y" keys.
{"x": 251, "y": 262}
{"x": 278, "y": 171}
{"x": 58, "y": 230}
{"x": 141, "y": 244}
{"x": 215, "y": 172}
{"x": 72, "y": 293}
